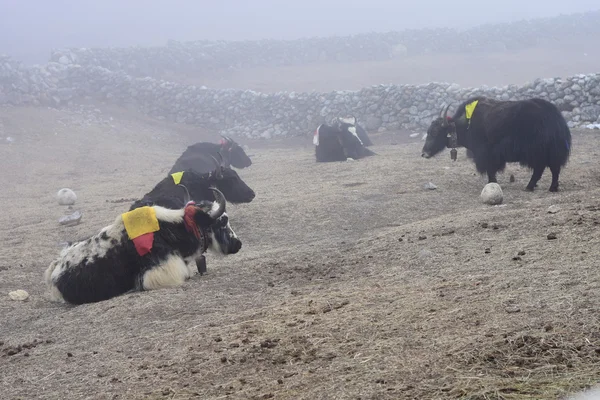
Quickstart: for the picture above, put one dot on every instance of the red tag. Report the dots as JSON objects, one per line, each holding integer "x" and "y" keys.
{"x": 143, "y": 244}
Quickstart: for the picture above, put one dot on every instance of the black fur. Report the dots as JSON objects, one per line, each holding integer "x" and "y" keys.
{"x": 122, "y": 269}
{"x": 337, "y": 143}
{"x": 362, "y": 134}
{"x": 197, "y": 157}
{"x": 531, "y": 132}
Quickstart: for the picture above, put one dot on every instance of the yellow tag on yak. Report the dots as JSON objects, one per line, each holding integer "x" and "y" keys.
{"x": 140, "y": 221}
{"x": 177, "y": 177}
{"x": 469, "y": 108}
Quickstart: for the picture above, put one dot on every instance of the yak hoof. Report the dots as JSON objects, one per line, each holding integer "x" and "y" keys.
{"x": 553, "y": 188}
{"x": 529, "y": 188}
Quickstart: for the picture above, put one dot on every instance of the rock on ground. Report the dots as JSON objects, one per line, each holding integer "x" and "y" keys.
{"x": 492, "y": 194}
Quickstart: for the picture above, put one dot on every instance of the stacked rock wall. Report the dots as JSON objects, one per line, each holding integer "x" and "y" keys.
{"x": 115, "y": 78}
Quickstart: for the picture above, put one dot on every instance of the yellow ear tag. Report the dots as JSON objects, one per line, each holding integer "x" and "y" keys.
{"x": 469, "y": 108}
{"x": 177, "y": 177}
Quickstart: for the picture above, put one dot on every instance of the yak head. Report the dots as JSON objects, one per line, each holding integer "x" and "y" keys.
{"x": 221, "y": 238}
{"x": 439, "y": 134}
{"x": 234, "y": 153}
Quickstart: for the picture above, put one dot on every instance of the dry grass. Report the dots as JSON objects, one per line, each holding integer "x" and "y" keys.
{"x": 353, "y": 281}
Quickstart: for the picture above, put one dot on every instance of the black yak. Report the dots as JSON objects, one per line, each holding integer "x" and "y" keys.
{"x": 339, "y": 142}
{"x": 531, "y": 132}
{"x": 147, "y": 248}
{"x": 197, "y": 157}
{"x": 360, "y": 131}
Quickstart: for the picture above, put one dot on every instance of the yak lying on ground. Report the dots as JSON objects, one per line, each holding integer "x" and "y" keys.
{"x": 197, "y": 157}
{"x": 172, "y": 190}
{"x": 148, "y": 248}
{"x": 338, "y": 142}
{"x": 531, "y": 132}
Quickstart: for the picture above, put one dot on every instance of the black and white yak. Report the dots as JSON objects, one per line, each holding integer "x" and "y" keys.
{"x": 531, "y": 132}
{"x": 198, "y": 157}
{"x": 339, "y": 142}
{"x": 144, "y": 249}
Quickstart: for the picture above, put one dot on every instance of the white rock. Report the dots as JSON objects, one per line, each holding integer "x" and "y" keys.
{"x": 66, "y": 197}
{"x": 492, "y": 194}
{"x": 430, "y": 186}
{"x": 18, "y": 295}
{"x": 553, "y": 209}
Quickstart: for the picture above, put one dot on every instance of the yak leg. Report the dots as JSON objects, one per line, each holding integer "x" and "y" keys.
{"x": 535, "y": 177}
{"x": 555, "y": 173}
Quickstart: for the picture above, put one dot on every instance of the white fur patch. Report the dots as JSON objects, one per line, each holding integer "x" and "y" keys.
{"x": 349, "y": 120}
{"x": 316, "y": 135}
{"x": 168, "y": 215}
{"x": 172, "y": 272}
{"x": 352, "y": 130}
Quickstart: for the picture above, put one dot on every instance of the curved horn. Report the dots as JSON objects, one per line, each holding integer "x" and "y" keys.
{"x": 221, "y": 202}
{"x": 187, "y": 194}
{"x": 217, "y": 163}
{"x": 446, "y": 112}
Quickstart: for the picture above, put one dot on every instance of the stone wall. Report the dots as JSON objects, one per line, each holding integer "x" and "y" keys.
{"x": 252, "y": 114}
{"x": 191, "y": 57}
{"x": 113, "y": 75}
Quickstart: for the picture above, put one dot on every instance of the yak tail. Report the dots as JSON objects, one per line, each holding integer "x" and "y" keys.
{"x": 557, "y": 133}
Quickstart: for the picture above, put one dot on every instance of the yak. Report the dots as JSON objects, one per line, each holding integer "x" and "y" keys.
{"x": 197, "y": 157}
{"x": 339, "y": 142}
{"x": 172, "y": 189}
{"x": 147, "y": 248}
{"x": 532, "y": 132}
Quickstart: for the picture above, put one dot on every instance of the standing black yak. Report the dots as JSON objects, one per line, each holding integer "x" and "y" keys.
{"x": 531, "y": 132}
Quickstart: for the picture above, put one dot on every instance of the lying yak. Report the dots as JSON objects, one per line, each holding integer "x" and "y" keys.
{"x": 531, "y": 132}
{"x": 339, "y": 142}
{"x": 144, "y": 249}
{"x": 198, "y": 156}
{"x": 172, "y": 190}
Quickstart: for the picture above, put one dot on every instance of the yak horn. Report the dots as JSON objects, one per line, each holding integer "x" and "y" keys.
{"x": 446, "y": 112}
{"x": 217, "y": 163}
{"x": 220, "y": 200}
{"x": 187, "y": 197}
{"x": 441, "y": 112}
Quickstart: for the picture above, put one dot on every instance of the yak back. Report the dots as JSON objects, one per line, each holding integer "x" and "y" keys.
{"x": 197, "y": 157}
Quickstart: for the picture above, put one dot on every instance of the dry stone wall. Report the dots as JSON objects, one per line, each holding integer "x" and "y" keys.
{"x": 114, "y": 76}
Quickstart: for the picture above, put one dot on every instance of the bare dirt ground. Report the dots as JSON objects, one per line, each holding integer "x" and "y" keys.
{"x": 492, "y": 69}
{"x": 354, "y": 282}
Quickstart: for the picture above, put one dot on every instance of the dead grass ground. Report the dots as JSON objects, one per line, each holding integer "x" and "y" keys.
{"x": 353, "y": 282}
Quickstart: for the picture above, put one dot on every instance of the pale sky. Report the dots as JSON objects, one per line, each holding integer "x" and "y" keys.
{"x": 30, "y": 28}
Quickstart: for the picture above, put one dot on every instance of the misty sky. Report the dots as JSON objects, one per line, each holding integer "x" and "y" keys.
{"x": 30, "y": 28}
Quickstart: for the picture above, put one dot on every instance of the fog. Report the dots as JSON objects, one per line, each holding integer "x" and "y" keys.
{"x": 29, "y": 29}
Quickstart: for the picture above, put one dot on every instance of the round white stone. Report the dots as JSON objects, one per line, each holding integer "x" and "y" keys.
{"x": 19, "y": 295}
{"x": 492, "y": 194}
{"x": 66, "y": 197}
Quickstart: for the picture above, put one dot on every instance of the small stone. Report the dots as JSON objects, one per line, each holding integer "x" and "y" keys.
{"x": 66, "y": 197}
{"x": 513, "y": 309}
{"x": 71, "y": 219}
{"x": 553, "y": 209}
{"x": 488, "y": 250}
{"x": 430, "y": 186}
{"x": 551, "y": 236}
{"x": 512, "y": 178}
{"x": 18, "y": 295}
{"x": 492, "y": 194}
